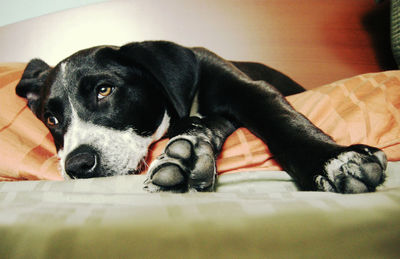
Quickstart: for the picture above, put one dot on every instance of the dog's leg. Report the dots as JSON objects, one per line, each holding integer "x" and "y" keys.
{"x": 188, "y": 161}
{"x": 310, "y": 156}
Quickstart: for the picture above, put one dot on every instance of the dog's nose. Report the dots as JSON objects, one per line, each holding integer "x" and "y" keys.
{"x": 82, "y": 162}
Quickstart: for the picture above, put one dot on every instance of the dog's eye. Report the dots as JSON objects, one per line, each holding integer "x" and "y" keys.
{"x": 52, "y": 121}
{"x": 104, "y": 91}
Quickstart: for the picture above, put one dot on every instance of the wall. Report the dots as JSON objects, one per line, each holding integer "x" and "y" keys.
{"x": 313, "y": 41}
{"x": 12, "y": 11}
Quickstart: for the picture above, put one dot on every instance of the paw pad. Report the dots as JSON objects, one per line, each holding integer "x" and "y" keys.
{"x": 357, "y": 169}
{"x": 186, "y": 165}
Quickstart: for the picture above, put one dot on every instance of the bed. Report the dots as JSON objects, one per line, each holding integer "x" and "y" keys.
{"x": 257, "y": 211}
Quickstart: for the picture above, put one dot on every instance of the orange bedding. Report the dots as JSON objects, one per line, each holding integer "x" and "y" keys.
{"x": 363, "y": 109}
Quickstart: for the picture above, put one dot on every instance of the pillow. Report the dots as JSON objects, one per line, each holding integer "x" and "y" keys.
{"x": 363, "y": 109}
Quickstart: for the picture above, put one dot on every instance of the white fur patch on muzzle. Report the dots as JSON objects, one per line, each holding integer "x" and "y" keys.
{"x": 120, "y": 152}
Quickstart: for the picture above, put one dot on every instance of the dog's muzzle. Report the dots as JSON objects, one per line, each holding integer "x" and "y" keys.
{"x": 83, "y": 162}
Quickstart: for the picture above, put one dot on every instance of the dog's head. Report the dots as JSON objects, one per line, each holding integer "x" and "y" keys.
{"x": 105, "y": 105}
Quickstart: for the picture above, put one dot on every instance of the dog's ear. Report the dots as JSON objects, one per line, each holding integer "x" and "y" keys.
{"x": 174, "y": 67}
{"x": 32, "y": 80}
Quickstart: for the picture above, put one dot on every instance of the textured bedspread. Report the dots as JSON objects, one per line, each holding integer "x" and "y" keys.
{"x": 253, "y": 215}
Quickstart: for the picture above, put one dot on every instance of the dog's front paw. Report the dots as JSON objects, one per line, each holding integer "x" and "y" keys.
{"x": 357, "y": 169}
{"x": 187, "y": 164}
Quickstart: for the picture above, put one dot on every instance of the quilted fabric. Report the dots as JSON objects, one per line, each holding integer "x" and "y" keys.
{"x": 114, "y": 218}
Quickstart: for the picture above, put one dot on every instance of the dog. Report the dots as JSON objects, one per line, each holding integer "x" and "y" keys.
{"x": 105, "y": 106}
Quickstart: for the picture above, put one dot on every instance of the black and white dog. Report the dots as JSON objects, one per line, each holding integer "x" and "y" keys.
{"x": 105, "y": 105}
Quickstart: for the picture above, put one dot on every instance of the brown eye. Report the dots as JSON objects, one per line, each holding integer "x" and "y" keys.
{"x": 52, "y": 121}
{"x": 104, "y": 91}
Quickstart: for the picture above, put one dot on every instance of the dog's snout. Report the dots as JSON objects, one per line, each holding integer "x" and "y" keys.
{"x": 82, "y": 162}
